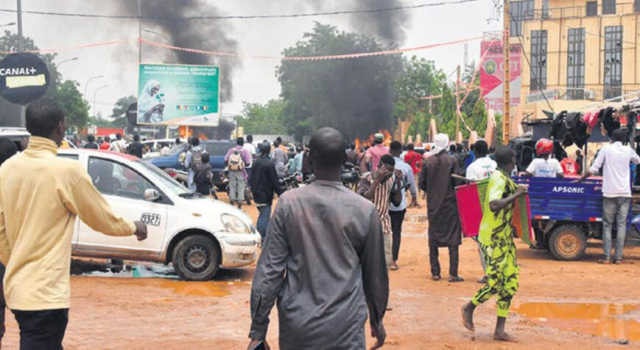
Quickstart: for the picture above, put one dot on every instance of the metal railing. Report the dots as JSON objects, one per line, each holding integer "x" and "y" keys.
{"x": 578, "y": 12}
{"x": 612, "y": 93}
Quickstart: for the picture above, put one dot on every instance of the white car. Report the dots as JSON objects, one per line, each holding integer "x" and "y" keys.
{"x": 197, "y": 234}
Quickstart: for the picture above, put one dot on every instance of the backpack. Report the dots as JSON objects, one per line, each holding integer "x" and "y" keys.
{"x": 235, "y": 161}
{"x": 196, "y": 159}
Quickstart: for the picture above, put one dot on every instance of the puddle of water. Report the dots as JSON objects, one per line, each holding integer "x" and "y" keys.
{"x": 199, "y": 289}
{"x": 614, "y": 321}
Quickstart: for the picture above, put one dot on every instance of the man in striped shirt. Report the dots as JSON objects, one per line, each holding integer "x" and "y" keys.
{"x": 382, "y": 188}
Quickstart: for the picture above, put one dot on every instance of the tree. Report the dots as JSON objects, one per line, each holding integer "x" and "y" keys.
{"x": 119, "y": 112}
{"x": 265, "y": 118}
{"x": 75, "y": 107}
{"x": 354, "y": 96}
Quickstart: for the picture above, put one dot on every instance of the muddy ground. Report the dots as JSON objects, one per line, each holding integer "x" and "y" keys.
{"x": 157, "y": 313}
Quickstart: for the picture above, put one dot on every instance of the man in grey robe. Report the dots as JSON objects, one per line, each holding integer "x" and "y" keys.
{"x": 323, "y": 260}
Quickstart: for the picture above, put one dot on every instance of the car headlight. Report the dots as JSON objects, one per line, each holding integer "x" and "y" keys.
{"x": 233, "y": 224}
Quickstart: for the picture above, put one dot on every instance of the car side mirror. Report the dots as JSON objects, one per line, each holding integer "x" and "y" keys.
{"x": 151, "y": 195}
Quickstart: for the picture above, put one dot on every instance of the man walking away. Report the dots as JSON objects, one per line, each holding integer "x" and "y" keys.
{"x": 616, "y": 189}
{"x": 543, "y": 165}
{"x": 397, "y": 213}
{"x": 579, "y": 160}
{"x": 496, "y": 240}
{"x": 322, "y": 261}
{"x": 106, "y": 145}
{"x": 203, "y": 178}
{"x": 378, "y": 187}
{"x": 7, "y": 150}
{"x": 297, "y": 160}
{"x": 251, "y": 148}
{"x": 91, "y": 142}
{"x": 119, "y": 145}
{"x": 481, "y": 169}
{"x": 264, "y": 182}
{"x": 40, "y": 197}
{"x": 373, "y": 155}
{"x": 193, "y": 160}
{"x": 444, "y": 222}
{"x": 135, "y": 148}
{"x": 237, "y": 157}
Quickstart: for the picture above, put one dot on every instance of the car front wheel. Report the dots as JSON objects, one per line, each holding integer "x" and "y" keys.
{"x": 196, "y": 258}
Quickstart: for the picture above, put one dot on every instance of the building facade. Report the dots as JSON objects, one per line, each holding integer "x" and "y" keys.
{"x": 578, "y": 51}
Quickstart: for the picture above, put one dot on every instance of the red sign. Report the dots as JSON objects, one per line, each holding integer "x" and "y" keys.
{"x": 492, "y": 74}
{"x": 108, "y": 132}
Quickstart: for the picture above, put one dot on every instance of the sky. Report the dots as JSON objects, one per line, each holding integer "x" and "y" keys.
{"x": 255, "y": 81}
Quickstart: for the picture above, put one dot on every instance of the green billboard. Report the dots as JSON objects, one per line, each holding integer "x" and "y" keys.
{"x": 178, "y": 95}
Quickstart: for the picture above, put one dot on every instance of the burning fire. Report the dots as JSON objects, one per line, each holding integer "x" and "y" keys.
{"x": 369, "y": 140}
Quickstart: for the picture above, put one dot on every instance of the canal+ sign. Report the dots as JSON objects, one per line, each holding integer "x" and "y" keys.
{"x": 24, "y": 78}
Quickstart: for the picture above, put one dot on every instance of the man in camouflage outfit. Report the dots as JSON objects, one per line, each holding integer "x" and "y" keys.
{"x": 496, "y": 241}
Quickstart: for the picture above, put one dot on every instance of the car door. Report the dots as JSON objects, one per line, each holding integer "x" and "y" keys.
{"x": 124, "y": 188}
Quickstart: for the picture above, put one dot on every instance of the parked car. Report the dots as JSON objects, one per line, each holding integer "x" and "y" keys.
{"x": 20, "y": 136}
{"x": 216, "y": 149}
{"x": 155, "y": 146}
{"x": 195, "y": 233}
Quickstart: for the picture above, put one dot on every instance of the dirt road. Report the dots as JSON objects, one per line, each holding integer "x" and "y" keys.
{"x": 564, "y": 303}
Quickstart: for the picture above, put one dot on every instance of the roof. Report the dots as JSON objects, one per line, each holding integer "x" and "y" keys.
{"x": 115, "y": 154}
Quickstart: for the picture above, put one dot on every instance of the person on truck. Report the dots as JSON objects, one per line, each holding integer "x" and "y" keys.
{"x": 193, "y": 160}
{"x": 616, "y": 189}
{"x": 496, "y": 240}
{"x": 544, "y": 165}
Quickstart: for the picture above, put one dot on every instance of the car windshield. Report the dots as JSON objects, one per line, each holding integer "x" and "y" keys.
{"x": 165, "y": 179}
{"x": 178, "y": 149}
{"x": 218, "y": 148}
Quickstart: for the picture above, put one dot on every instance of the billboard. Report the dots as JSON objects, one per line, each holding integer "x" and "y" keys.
{"x": 178, "y": 95}
{"x": 492, "y": 73}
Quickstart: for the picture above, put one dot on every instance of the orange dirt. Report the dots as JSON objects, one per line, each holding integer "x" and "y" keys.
{"x": 120, "y": 313}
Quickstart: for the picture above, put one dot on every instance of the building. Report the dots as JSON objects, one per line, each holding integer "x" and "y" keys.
{"x": 578, "y": 51}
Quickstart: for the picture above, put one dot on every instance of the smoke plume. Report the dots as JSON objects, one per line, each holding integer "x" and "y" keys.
{"x": 167, "y": 17}
{"x": 388, "y": 26}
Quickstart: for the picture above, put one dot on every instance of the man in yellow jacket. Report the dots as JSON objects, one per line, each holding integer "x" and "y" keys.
{"x": 40, "y": 197}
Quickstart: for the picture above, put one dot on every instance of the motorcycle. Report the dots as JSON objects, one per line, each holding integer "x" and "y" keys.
{"x": 291, "y": 182}
{"x": 351, "y": 175}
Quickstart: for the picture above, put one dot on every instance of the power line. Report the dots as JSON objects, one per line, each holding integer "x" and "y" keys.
{"x": 279, "y": 16}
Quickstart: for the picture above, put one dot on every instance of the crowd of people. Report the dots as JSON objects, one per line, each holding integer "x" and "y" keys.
{"x": 327, "y": 250}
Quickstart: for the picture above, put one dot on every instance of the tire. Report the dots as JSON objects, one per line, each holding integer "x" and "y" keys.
{"x": 196, "y": 258}
{"x": 568, "y": 243}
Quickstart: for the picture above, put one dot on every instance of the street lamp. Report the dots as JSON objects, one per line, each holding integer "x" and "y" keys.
{"x": 88, "y": 81}
{"x": 94, "y": 98}
{"x": 165, "y": 38}
{"x": 65, "y": 61}
{"x": 8, "y": 24}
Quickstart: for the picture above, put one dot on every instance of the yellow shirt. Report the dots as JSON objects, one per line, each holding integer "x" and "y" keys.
{"x": 40, "y": 197}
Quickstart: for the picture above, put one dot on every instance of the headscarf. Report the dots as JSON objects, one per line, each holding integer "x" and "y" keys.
{"x": 441, "y": 142}
{"x": 147, "y": 100}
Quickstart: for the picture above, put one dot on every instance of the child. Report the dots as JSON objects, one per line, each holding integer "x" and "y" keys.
{"x": 203, "y": 178}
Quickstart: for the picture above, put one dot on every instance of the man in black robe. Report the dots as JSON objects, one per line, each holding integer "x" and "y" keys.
{"x": 444, "y": 223}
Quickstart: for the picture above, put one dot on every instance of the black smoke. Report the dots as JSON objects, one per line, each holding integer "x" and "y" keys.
{"x": 169, "y": 18}
{"x": 388, "y": 25}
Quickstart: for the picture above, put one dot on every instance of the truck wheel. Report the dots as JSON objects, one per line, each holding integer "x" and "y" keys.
{"x": 196, "y": 258}
{"x": 568, "y": 243}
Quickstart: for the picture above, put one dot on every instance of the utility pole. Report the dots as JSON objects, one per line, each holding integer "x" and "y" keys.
{"x": 457, "y": 103}
{"x": 506, "y": 103}
{"x": 139, "y": 32}
{"x": 23, "y": 120}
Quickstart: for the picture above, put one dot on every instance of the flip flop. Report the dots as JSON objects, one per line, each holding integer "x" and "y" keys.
{"x": 394, "y": 268}
{"x": 456, "y": 279}
{"x": 436, "y": 278}
{"x": 604, "y": 261}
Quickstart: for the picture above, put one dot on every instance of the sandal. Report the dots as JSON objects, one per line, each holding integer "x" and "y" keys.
{"x": 617, "y": 262}
{"x": 394, "y": 268}
{"x": 456, "y": 279}
{"x": 483, "y": 280}
{"x": 604, "y": 261}
{"x": 436, "y": 278}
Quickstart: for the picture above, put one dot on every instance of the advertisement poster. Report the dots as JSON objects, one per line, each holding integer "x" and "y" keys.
{"x": 179, "y": 95}
{"x": 492, "y": 74}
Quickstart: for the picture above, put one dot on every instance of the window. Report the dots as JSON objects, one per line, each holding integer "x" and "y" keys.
{"x": 545, "y": 9}
{"x": 636, "y": 5}
{"x": 612, "y": 61}
{"x": 68, "y": 156}
{"x": 608, "y": 7}
{"x": 113, "y": 178}
{"x": 592, "y": 8}
{"x": 520, "y": 12}
{"x": 538, "y": 71}
{"x": 575, "y": 63}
